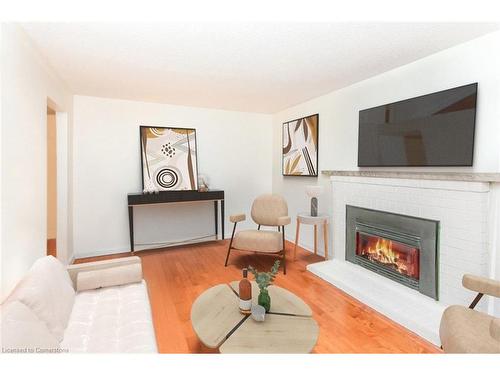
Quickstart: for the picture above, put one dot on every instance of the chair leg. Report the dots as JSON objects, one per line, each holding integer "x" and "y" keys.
{"x": 258, "y": 228}
{"x": 297, "y": 231}
{"x": 476, "y": 300}
{"x": 230, "y": 244}
{"x": 284, "y": 250}
{"x": 227, "y": 256}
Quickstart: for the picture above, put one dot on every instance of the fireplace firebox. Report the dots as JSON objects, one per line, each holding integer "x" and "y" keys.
{"x": 399, "y": 247}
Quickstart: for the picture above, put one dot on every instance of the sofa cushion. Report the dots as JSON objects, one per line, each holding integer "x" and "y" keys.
{"x": 115, "y": 319}
{"x": 113, "y": 276}
{"x": 75, "y": 269}
{"x": 47, "y": 290}
{"x": 23, "y": 332}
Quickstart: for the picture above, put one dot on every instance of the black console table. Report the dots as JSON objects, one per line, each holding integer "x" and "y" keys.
{"x": 137, "y": 199}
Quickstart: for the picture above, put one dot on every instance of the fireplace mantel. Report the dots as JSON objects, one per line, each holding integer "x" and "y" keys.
{"x": 443, "y": 176}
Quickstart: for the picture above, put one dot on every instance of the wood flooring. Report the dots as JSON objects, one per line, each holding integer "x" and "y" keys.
{"x": 177, "y": 275}
{"x": 51, "y": 247}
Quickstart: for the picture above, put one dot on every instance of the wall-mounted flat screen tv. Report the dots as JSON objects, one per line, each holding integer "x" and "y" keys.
{"x": 431, "y": 130}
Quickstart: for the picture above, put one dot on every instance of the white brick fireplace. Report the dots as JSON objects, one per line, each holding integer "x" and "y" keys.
{"x": 466, "y": 210}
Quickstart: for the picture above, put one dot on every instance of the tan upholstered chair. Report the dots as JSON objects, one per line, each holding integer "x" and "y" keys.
{"x": 267, "y": 210}
{"x": 464, "y": 330}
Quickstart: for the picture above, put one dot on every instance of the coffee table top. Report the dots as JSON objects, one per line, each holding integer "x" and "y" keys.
{"x": 288, "y": 328}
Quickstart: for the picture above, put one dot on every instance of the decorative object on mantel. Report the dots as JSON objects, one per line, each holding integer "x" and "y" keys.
{"x": 314, "y": 192}
{"x": 300, "y": 147}
{"x": 169, "y": 160}
{"x": 263, "y": 280}
{"x": 203, "y": 183}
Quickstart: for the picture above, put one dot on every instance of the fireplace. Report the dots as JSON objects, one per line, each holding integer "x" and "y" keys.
{"x": 401, "y": 248}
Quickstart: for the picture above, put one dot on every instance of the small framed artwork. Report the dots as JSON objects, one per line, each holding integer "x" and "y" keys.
{"x": 300, "y": 147}
{"x": 169, "y": 160}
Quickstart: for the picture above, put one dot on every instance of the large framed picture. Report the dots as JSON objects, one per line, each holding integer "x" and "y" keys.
{"x": 300, "y": 147}
{"x": 169, "y": 159}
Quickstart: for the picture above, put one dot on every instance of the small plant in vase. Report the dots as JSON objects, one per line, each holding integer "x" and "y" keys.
{"x": 263, "y": 280}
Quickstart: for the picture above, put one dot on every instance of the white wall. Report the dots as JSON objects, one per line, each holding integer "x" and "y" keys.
{"x": 27, "y": 84}
{"x": 51, "y": 177}
{"x": 234, "y": 150}
{"x": 474, "y": 61}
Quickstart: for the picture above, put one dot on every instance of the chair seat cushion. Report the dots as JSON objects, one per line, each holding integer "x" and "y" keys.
{"x": 264, "y": 241}
{"x": 464, "y": 330}
{"x": 111, "y": 320}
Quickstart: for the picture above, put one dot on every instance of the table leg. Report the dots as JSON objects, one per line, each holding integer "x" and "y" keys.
{"x": 296, "y": 239}
{"x": 131, "y": 226}
{"x": 216, "y": 216}
{"x": 222, "y": 218}
{"x": 325, "y": 235}
{"x": 315, "y": 239}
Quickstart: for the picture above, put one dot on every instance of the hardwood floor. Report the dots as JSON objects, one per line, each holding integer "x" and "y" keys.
{"x": 51, "y": 247}
{"x": 177, "y": 275}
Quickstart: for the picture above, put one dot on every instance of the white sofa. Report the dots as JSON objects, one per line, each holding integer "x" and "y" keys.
{"x": 96, "y": 307}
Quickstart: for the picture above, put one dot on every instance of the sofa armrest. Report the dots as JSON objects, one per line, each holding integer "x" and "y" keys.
{"x": 75, "y": 269}
{"x": 482, "y": 285}
{"x": 237, "y": 218}
{"x": 284, "y": 220}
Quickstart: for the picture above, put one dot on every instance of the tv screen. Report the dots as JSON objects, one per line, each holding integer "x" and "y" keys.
{"x": 431, "y": 130}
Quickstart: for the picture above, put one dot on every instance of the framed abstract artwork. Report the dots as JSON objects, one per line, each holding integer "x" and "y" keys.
{"x": 300, "y": 147}
{"x": 169, "y": 159}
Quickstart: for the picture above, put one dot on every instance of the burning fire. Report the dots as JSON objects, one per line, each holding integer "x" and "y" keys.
{"x": 383, "y": 252}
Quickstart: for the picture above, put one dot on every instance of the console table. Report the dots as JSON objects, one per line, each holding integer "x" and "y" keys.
{"x": 138, "y": 199}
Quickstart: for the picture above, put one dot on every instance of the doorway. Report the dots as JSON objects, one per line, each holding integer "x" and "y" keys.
{"x": 51, "y": 182}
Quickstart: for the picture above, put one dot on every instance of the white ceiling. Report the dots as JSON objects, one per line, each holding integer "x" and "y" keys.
{"x": 254, "y": 67}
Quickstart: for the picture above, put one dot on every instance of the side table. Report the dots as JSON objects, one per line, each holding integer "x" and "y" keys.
{"x": 322, "y": 220}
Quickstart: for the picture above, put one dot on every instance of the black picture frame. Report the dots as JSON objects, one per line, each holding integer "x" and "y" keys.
{"x": 308, "y": 160}
{"x": 193, "y": 179}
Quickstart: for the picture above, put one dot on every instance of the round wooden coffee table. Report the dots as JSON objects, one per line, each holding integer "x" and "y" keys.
{"x": 288, "y": 328}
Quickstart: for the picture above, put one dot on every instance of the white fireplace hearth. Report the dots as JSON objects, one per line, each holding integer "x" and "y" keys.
{"x": 467, "y": 211}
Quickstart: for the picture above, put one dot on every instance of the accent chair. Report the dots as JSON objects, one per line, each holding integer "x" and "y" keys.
{"x": 267, "y": 210}
{"x": 464, "y": 330}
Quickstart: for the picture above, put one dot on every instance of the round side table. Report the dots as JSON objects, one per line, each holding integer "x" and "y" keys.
{"x": 322, "y": 220}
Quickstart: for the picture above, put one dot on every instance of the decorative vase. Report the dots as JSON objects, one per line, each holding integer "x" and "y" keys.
{"x": 264, "y": 300}
{"x": 314, "y": 192}
{"x": 314, "y": 206}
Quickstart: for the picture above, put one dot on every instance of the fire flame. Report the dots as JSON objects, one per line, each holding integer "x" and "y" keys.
{"x": 382, "y": 252}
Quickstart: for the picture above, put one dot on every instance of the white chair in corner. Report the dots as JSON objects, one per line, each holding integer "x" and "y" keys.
{"x": 267, "y": 210}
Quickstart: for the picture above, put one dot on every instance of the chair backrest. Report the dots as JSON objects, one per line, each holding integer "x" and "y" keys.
{"x": 267, "y": 208}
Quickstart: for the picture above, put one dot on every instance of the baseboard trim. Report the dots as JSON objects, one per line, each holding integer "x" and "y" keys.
{"x": 101, "y": 253}
{"x": 121, "y": 250}
{"x": 302, "y": 245}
